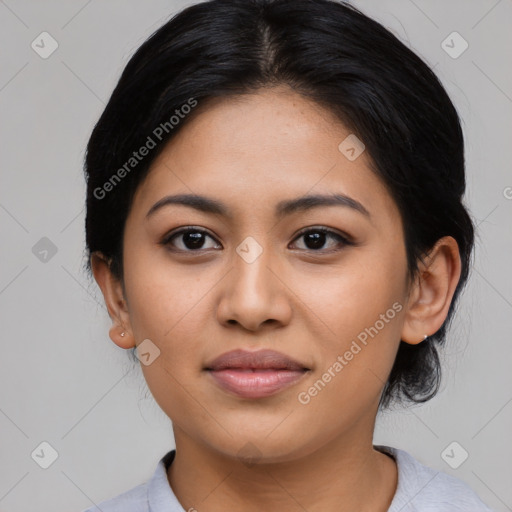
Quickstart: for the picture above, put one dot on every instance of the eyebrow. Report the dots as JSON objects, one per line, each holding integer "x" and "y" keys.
{"x": 283, "y": 208}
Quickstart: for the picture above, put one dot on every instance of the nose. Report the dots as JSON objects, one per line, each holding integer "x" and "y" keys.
{"x": 255, "y": 294}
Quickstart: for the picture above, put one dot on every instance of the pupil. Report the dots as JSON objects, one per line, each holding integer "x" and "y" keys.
{"x": 193, "y": 240}
{"x": 316, "y": 238}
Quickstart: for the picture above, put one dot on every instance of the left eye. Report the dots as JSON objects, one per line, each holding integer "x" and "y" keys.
{"x": 316, "y": 238}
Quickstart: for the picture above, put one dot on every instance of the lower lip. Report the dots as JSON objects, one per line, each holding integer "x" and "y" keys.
{"x": 255, "y": 384}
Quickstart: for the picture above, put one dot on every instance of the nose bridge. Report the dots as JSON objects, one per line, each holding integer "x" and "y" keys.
{"x": 251, "y": 270}
{"x": 253, "y": 294}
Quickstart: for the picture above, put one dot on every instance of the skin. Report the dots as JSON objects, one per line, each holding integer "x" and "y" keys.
{"x": 251, "y": 152}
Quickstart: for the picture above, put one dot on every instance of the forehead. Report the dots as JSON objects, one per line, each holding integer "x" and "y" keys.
{"x": 255, "y": 150}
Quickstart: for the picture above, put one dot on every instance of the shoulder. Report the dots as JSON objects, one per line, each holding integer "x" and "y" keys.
{"x": 133, "y": 500}
{"x": 424, "y": 489}
{"x": 155, "y": 495}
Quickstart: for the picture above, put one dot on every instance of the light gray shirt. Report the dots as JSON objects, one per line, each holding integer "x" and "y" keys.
{"x": 419, "y": 489}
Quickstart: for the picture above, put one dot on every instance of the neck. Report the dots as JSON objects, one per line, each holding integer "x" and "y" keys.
{"x": 342, "y": 475}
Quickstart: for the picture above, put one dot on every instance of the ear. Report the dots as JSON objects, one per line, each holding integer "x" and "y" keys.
{"x": 432, "y": 292}
{"x": 115, "y": 301}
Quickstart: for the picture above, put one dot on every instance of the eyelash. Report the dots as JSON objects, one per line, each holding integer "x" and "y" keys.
{"x": 344, "y": 240}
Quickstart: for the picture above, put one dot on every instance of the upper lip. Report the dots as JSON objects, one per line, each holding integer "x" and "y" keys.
{"x": 261, "y": 359}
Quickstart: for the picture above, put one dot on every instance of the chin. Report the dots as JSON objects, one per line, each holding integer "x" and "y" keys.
{"x": 263, "y": 446}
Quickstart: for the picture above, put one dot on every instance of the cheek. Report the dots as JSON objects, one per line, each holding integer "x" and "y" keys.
{"x": 353, "y": 296}
{"x": 361, "y": 307}
{"x": 172, "y": 315}
{"x": 164, "y": 297}
{"x": 166, "y": 308}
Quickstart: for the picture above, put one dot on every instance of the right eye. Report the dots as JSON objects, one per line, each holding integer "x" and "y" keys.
{"x": 189, "y": 239}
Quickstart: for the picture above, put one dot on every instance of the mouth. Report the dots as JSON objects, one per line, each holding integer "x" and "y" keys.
{"x": 255, "y": 374}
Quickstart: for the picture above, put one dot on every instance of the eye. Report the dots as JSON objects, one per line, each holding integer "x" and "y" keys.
{"x": 315, "y": 239}
{"x": 189, "y": 239}
{"x": 193, "y": 239}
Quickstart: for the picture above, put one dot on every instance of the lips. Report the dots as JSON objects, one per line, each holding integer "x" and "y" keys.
{"x": 255, "y": 374}
{"x": 260, "y": 360}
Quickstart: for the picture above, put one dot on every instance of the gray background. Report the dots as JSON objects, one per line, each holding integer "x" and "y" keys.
{"x": 62, "y": 379}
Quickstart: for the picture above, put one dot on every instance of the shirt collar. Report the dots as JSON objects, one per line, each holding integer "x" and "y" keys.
{"x": 161, "y": 498}
{"x": 160, "y": 495}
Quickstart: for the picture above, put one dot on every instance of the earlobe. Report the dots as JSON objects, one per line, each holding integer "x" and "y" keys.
{"x": 121, "y": 336}
{"x": 114, "y": 300}
{"x": 432, "y": 291}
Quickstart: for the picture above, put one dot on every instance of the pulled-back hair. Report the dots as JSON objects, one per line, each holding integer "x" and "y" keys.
{"x": 328, "y": 52}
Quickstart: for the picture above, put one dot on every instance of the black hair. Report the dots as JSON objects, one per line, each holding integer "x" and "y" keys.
{"x": 329, "y": 52}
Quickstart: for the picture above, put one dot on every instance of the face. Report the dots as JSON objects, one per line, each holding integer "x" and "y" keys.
{"x": 255, "y": 275}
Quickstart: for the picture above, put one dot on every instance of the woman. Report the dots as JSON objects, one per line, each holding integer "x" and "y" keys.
{"x": 275, "y": 219}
